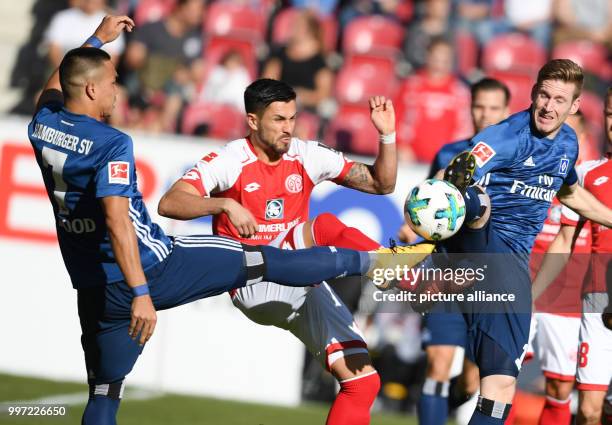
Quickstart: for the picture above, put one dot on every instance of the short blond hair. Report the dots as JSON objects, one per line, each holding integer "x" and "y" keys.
{"x": 564, "y": 70}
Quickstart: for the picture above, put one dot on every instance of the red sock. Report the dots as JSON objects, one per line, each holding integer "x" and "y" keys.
{"x": 556, "y": 412}
{"x": 353, "y": 402}
{"x": 328, "y": 230}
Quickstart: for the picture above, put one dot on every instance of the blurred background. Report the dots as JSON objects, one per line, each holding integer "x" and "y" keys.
{"x": 182, "y": 74}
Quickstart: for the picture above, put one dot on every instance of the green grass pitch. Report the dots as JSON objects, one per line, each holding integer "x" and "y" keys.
{"x": 169, "y": 409}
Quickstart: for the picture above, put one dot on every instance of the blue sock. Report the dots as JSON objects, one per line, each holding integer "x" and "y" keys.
{"x": 100, "y": 410}
{"x": 479, "y": 418}
{"x": 474, "y": 206}
{"x": 433, "y": 405}
{"x": 305, "y": 267}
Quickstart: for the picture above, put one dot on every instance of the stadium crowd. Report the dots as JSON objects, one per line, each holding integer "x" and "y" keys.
{"x": 184, "y": 68}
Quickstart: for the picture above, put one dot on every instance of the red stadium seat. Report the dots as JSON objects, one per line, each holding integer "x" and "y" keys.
{"x": 351, "y": 130}
{"x": 372, "y": 34}
{"x": 467, "y": 52}
{"x": 229, "y": 19}
{"x": 217, "y": 47}
{"x": 520, "y": 89}
{"x": 515, "y": 52}
{"x": 307, "y": 126}
{"x": 356, "y": 83}
{"x": 152, "y": 11}
{"x": 592, "y": 106}
{"x": 281, "y": 28}
{"x": 222, "y": 121}
{"x": 593, "y": 57}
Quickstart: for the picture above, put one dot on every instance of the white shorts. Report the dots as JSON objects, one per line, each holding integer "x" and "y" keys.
{"x": 595, "y": 350}
{"x": 314, "y": 314}
{"x": 557, "y": 345}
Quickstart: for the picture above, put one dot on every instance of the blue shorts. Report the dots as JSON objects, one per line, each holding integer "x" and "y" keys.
{"x": 506, "y": 326}
{"x": 198, "y": 267}
{"x": 444, "y": 329}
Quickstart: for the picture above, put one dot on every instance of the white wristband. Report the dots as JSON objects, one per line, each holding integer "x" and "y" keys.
{"x": 387, "y": 139}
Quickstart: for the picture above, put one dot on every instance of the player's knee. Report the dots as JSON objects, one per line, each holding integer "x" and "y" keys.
{"x": 498, "y": 387}
{"x": 590, "y": 411}
{"x": 439, "y": 361}
{"x": 560, "y": 390}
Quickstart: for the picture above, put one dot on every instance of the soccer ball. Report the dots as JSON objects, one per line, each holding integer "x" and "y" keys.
{"x": 435, "y": 209}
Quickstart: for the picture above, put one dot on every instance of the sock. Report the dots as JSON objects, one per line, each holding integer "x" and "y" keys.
{"x": 475, "y": 205}
{"x": 433, "y": 404}
{"x": 556, "y": 412}
{"x": 328, "y": 230}
{"x": 489, "y": 412}
{"x": 100, "y": 410}
{"x": 304, "y": 267}
{"x": 479, "y": 418}
{"x": 353, "y": 402}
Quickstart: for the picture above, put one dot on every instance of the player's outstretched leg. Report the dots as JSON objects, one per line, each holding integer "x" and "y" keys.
{"x": 328, "y": 230}
{"x": 305, "y": 266}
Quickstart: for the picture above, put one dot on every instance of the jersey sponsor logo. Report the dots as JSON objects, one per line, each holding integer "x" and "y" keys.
{"x": 293, "y": 183}
{"x": 563, "y": 166}
{"x": 483, "y": 153}
{"x": 275, "y": 209}
{"x": 533, "y": 192}
{"x": 484, "y": 180}
{"x": 277, "y": 227}
{"x": 210, "y": 157}
{"x": 252, "y": 187}
{"x": 191, "y": 175}
{"x": 600, "y": 180}
{"x": 119, "y": 172}
{"x": 529, "y": 162}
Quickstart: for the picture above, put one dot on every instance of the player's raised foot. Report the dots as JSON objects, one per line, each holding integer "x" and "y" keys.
{"x": 460, "y": 171}
{"x": 387, "y": 263}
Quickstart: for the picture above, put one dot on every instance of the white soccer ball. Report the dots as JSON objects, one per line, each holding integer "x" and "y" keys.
{"x": 435, "y": 209}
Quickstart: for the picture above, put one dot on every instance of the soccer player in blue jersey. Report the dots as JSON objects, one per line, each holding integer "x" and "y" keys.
{"x": 530, "y": 158}
{"x": 122, "y": 265}
{"x": 444, "y": 329}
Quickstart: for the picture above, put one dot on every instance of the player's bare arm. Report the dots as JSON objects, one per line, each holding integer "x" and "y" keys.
{"x": 125, "y": 248}
{"x": 380, "y": 177}
{"x": 109, "y": 29}
{"x": 183, "y": 202}
{"x": 555, "y": 259}
{"x": 584, "y": 203}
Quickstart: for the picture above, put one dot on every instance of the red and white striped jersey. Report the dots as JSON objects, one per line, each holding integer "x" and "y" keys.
{"x": 277, "y": 195}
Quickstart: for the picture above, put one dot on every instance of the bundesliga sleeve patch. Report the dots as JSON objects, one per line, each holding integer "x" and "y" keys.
{"x": 483, "y": 153}
{"x": 119, "y": 172}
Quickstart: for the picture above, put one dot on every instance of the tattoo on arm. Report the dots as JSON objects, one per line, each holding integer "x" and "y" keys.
{"x": 360, "y": 177}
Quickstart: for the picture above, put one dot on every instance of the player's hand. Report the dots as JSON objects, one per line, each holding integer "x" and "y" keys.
{"x": 144, "y": 319}
{"x": 241, "y": 218}
{"x": 112, "y": 26}
{"x": 382, "y": 114}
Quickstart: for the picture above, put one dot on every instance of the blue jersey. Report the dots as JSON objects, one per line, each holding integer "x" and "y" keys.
{"x": 82, "y": 160}
{"x": 446, "y": 153}
{"x": 522, "y": 173}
